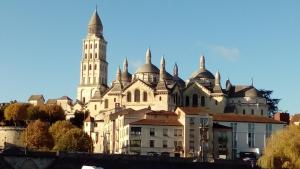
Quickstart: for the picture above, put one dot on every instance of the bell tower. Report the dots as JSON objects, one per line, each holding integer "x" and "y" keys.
{"x": 93, "y": 64}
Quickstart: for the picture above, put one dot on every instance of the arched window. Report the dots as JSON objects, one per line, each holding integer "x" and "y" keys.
{"x": 137, "y": 95}
{"x": 84, "y": 67}
{"x": 159, "y": 98}
{"x": 202, "y": 101}
{"x": 195, "y": 100}
{"x": 187, "y": 101}
{"x": 91, "y": 56}
{"x": 85, "y": 56}
{"x": 90, "y": 67}
{"x": 145, "y": 97}
{"x": 96, "y": 56}
{"x": 128, "y": 96}
{"x": 95, "y": 67}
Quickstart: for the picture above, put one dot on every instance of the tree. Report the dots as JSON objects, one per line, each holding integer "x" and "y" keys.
{"x": 16, "y": 112}
{"x": 271, "y": 102}
{"x": 49, "y": 113}
{"x": 55, "y": 113}
{"x": 36, "y": 135}
{"x": 59, "y": 128}
{"x": 78, "y": 118}
{"x": 282, "y": 149}
{"x": 74, "y": 140}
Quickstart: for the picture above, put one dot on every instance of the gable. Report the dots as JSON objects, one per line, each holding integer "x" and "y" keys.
{"x": 198, "y": 88}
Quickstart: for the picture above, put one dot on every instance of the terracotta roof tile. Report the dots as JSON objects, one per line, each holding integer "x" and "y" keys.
{"x": 156, "y": 122}
{"x": 194, "y": 110}
{"x": 229, "y": 117}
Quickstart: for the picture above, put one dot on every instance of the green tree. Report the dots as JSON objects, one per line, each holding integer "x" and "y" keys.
{"x": 271, "y": 102}
{"x": 74, "y": 140}
{"x": 37, "y": 136}
{"x": 282, "y": 150}
{"x": 60, "y": 128}
{"x": 16, "y": 112}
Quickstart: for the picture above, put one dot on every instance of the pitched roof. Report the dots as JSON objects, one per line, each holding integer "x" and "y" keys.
{"x": 36, "y": 97}
{"x": 161, "y": 112}
{"x": 64, "y": 98}
{"x": 194, "y": 110}
{"x": 127, "y": 112}
{"x": 156, "y": 122}
{"x": 89, "y": 119}
{"x": 51, "y": 101}
{"x": 230, "y": 117}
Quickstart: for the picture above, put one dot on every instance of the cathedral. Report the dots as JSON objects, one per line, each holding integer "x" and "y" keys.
{"x": 154, "y": 112}
{"x": 152, "y": 86}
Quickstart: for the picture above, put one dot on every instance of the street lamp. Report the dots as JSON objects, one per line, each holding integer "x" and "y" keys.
{"x": 203, "y": 129}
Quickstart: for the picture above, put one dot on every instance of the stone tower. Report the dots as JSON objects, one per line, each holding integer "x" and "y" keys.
{"x": 93, "y": 64}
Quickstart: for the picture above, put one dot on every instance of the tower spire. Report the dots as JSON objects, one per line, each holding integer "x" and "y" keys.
{"x": 118, "y": 74}
{"x": 175, "y": 70}
{"x": 95, "y": 25}
{"x": 125, "y": 66}
{"x": 162, "y": 69}
{"x": 218, "y": 78}
{"x": 202, "y": 62}
{"x": 148, "y": 56}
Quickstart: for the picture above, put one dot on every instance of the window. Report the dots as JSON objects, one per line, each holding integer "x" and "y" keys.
{"x": 252, "y": 111}
{"x": 85, "y": 46}
{"x": 84, "y": 67}
{"x": 216, "y": 102}
{"x": 192, "y": 120}
{"x": 262, "y": 112}
{"x": 244, "y": 111}
{"x": 115, "y": 99}
{"x": 91, "y": 46}
{"x": 128, "y": 96}
{"x": 152, "y": 132}
{"x": 90, "y": 67}
{"x": 165, "y": 144}
{"x": 159, "y": 98}
{"x": 135, "y": 143}
{"x": 192, "y": 134}
{"x": 192, "y": 145}
{"x": 91, "y": 56}
{"x": 96, "y": 56}
{"x": 177, "y": 132}
{"x": 106, "y": 103}
{"x": 195, "y": 100}
{"x": 251, "y": 135}
{"x": 95, "y": 107}
{"x": 95, "y": 67}
{"x": 151, "y": 143}
{"x": 136, "y": 131}
{"x": 85, "y": 56}
{"x": 83, "y": 99}
{"x": 145, "y": 96}
{"x": 137, "y": 95}
{"x": 202, "y": 101}
{"x": 187, "y": 101}
{"x": 268, "y": 130}
{"x": 165, "y": 132}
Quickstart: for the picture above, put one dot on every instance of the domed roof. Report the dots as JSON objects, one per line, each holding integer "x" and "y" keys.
{"x": 126, "y": 76}
{"x": 148, "y": 68}
{"x": 205, "y": 74}
{"x": 251, "y": 92}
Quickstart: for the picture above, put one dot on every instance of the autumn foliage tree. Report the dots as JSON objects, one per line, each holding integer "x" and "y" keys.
{"x": 74, "y": 140}
{"x": 37, "y": 136}
{"x": 282, "y": 149}
{"x": 16, "y": 112}
{"x": 60, "y": 128}
{"x": 49, "y": 113}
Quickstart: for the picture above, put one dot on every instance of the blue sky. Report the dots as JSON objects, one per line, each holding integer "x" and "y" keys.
{"x": 40, "y": 42}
